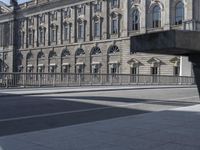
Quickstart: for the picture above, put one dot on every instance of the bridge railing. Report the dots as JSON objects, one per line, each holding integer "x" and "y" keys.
{"x": 60, "y": 79}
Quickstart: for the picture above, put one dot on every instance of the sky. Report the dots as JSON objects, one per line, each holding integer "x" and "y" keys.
{"x": 19, "y": 1}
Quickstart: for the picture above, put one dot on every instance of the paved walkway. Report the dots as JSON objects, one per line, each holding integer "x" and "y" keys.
{"x": 176, "y": 129}
{"x": 39, "y": 91}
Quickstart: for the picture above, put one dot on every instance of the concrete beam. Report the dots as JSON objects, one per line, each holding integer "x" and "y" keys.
{"x": 172, "y": 42}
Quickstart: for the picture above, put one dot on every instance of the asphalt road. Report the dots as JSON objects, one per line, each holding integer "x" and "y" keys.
{"x": 20, "y": 114}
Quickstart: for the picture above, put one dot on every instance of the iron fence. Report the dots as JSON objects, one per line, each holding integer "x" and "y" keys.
{"x": 59, "y": 79}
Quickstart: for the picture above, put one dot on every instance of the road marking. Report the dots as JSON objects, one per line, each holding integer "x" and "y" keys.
{"x": 52, "y": 114}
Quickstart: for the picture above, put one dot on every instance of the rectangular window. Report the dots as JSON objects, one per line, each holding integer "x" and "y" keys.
{"x": 114, "y": 3}
{"x": 41, "y": 36}
{"x": 97, "y": 7}
{"x": 114, "y": 26}
{"x": 22, "y": 39}
{"x": 53, "y": 35}
{"x": 154, "y": 70}
{"x": 80, "y": 10}
{"x": 30, "y": 38}
{"x": 176, "y": 71}
{"x": 81, "y": 31}
{"x": 133, "y": 74}
{"x": 97, "y": 29}
{"x": 66, "y": 33}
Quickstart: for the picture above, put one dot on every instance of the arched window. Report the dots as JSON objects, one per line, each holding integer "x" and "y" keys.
{"x": 96, "y": 51}
{"x": 113, "y": 49}
{"x": 80, "y": 52}
{"x": 52, "y": 54}
{"x": 156, "y": 17}
{"x": 40, "y": 55}
{"x": 65, "y": 53}
{"x": 135, "y": 20}
{"x": 29, "y": 56}
{"x": 179, "y": 13}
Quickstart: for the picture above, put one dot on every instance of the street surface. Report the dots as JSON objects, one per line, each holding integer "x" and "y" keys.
{"x": 20, "y": 114}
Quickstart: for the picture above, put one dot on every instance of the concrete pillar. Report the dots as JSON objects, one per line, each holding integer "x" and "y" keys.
{"x": 196, "y": 68}
{"x": 185, "y": 67}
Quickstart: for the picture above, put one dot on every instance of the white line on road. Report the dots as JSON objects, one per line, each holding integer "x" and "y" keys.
{"x": 52, "y": 114}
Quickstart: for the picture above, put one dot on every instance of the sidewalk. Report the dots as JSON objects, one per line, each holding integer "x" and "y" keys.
{"x": 57, "y": 90}
{"x": 176, "y": 129}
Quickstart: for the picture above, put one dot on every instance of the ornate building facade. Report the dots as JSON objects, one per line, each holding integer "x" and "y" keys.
{"x": 91, "y": 36}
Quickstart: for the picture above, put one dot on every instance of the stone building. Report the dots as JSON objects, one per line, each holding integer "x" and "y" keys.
{"x": 91, "y": 36}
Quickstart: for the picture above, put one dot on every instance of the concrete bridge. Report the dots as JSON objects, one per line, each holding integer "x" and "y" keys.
{"x": 172, "y": 42}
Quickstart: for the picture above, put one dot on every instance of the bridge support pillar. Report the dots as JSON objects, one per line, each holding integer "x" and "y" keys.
{"x": 195, "y": 59}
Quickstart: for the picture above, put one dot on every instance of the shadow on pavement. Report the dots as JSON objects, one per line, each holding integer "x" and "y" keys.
{"x": 27, "y": 113}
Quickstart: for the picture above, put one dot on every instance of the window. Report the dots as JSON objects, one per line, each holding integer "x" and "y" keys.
{"x": 53, "y": 33}
{"x": 80, "y": 10}
{"x": 135, "y": 20}
{"x": 54, "y": 16}
{"x": 80, "y": 52}
{"x": 42, "y": 18}
{"x": 31, "y": 21}
{"x": 30, "y": 37}
{"x": 154, "y": 70}
{"x": 97, "y": 28}
{"x": 114, "y": 3}
{"x": 113, "y": 49}
{"x": 156, "y": 17}
{"x": 96, "y": 51}
{"x": 115, "y": 24}
{"x": 176, "y": 70}
{"x": 65, "y": 53}
{"x": 42, "y": 36}
{"x": 97, "y": 6}
{"x": 66, "y": 32}
{"x": 81, "y": 30}
{"x": 134, "y": 72}
{"x": 179, "y": 13}
{"x": 22, "y": 39}
{"x": 67, "y": 13}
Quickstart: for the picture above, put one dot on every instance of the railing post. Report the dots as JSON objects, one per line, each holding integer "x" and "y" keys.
{"x": 79, "y": 79}
{"x": 54, "y": 78}
{"x": 7, "y": 82}
{"x": 39, "y": 80}
{"x": 23, "y": 78}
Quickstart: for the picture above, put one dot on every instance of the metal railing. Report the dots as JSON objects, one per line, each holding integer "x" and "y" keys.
{"x": 59, "y": 79}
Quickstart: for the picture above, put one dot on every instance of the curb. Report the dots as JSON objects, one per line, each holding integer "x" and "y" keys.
{"x": 97, "y": 90}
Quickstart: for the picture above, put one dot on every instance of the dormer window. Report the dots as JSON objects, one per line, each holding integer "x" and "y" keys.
{"x": 114, "y": 3}
{"x": 31, "y": 21}
{"x": 42, "y": 18}
{"x": 97, "y": 6}
{"x": 54, "y": 16}
{"x": 67, "y": 13}
{"x": 80, "y": 10}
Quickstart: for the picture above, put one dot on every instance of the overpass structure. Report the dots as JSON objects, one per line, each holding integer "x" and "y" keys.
{"x": 172, "y": 42}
